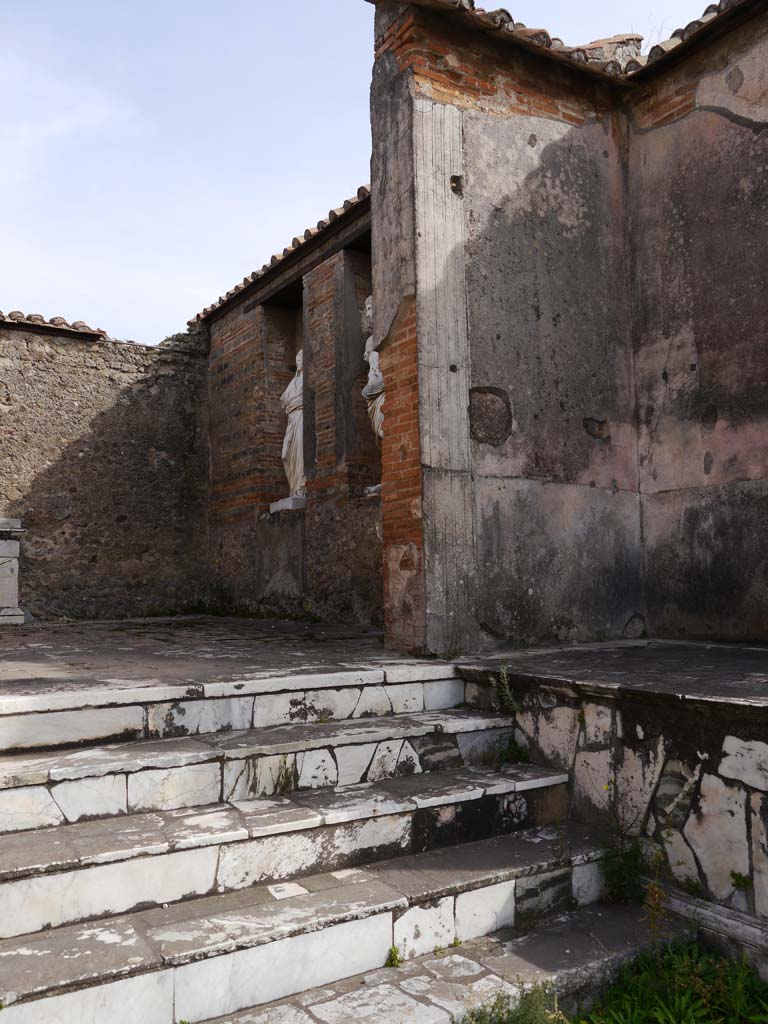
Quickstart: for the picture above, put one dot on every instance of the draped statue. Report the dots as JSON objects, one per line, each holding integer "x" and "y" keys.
{"x": 293, "y": 444}
{"x": 374, "y": 391}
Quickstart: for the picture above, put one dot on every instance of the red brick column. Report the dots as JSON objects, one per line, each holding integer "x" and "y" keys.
{"x": 401, "y": 478}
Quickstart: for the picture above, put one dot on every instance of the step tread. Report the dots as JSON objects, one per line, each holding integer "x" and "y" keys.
{"x": 60, "y": 765}
{"x": 91, "y": 953}
{"x": 68, "y": 847}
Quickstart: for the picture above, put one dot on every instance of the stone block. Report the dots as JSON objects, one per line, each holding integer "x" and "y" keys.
{"x": 197, "y": 717}
{"x": 353, "y": 762}
{"x": 48, "y": 901}
{"x": 406, "y": 699}
{"x": 316, "y": 768}
{"x": 374, "y": 1005}
{"x": 587, "y": 883}
{"x": 441, "y": 694}
{"x": 717, "y": 833}
{"x": 166, "y": 789}
{"x": 745, "y": 761}
{"x": 92, "y": 798}
{"x": 420, "y": 930}
{"x": 249, "y": 977}
{"x": 288, "y": 505}
{"x": 148, "y": 998}
{"x": 384, "y": 762}
{"x": 28, "y": 807}
{"x": 24, "y": 732}
{"x": 486, "y": 910}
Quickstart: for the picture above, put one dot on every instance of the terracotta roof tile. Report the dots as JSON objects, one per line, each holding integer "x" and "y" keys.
{"x": 363, "y": 193}
{"x": 19, "y": 319}
{"x": 617, "y": 56}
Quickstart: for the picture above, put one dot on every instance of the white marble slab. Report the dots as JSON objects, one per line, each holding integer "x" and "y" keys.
{"x": 226, "y": 984}
{"x": 24, "y": 732}
{"x": 147, "y": 998}
{"x": 28, "y": 807}
{"x": 167, "y": 789}
{"x": 421, "y": 930}
{"x": 485, "y": 910}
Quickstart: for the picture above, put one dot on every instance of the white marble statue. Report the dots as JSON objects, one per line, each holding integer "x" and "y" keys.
{"x": 374, "y": 391}
{"x": 292, "y": 401}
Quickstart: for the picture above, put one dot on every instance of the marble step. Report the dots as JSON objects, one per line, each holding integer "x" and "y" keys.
{"x": 218, "y": 955}
{"x": 48, "y": 788}
{"x": 51, "y": 714}
{"x": 577, "y": 954}
{"x": 54, "y": 877}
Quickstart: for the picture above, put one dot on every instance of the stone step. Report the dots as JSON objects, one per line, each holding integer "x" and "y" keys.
{"x": 577, "y": 954}
{"x": 218, "y": 955}
{"x": 51, "y": 714}
{"x": 74, "y": 873}
{"x": 49, "y": 788}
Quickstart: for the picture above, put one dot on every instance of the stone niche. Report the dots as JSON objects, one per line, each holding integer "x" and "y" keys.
{"x": 10, "y": 613}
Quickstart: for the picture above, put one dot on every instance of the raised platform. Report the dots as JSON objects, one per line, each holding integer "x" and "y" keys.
{"x": 689, "y": 671}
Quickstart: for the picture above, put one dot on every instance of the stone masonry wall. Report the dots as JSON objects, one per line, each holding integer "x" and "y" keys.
{"x": 698, "y": 176}
{"x": 585, "y": 260}
{"x": 689, "y": 777}
{"x": 103, "y": 455}
{"x": 526, "y": 397}
{"x": 325, "y": 560}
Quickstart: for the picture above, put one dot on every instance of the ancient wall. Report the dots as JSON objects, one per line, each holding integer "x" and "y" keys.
{"x": 323, "y": 560}
{"x": 688, "y": 777}
{"x": 395, "y": 331}
{"x": 531, "y": 525}
{"x": 699, "y": 229}
{"x": 103, "y": 455}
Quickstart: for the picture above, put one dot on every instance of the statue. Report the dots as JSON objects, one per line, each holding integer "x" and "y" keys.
{"x": 374, "y": 391}
{"x": 292, "y": 401}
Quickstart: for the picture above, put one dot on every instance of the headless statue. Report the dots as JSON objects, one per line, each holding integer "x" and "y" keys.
{"x": 374, "y": 391}
{"x": 293, "y": 444}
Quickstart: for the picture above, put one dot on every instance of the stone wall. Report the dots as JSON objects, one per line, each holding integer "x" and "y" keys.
{"x": 689, "y": 777}
{"x": 699, "y": 229}
{"x": 324, "y": 560}
{"x": 584, "y": 260}
{"x": 528, "y": 509}
{"x": 103, "y": 456}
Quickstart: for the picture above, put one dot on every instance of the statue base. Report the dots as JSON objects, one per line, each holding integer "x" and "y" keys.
{"x": 287, "y": 505}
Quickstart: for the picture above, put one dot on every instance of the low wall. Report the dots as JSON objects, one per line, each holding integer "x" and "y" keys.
{"x": 103, "y": 456}
{"x": 690, "y": 776}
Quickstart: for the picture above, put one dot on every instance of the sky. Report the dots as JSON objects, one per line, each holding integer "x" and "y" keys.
{"x": 155, "y": 152}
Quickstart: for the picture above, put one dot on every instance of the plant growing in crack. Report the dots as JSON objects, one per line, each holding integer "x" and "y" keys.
{"x": 394, "y": 957}
{"x": 504, "y": 695}
{"x": 741, "y": 883}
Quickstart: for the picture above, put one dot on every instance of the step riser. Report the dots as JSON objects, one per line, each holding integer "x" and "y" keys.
{"x": 194, "y": 717}
{"x": 223, "y": 778}
{"x": 66, "y": 897}
{"x": 199, "y": 991}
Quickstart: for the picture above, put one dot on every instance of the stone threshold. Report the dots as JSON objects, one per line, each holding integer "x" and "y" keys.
{"x": 221, "y": 954}
{"x": 77, "y": 872}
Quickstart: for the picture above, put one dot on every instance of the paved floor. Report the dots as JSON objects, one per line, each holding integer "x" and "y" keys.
{"x": 205, "y": 649}
{"x": 188, "y": 650}
{"x": 575, "y": 953}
